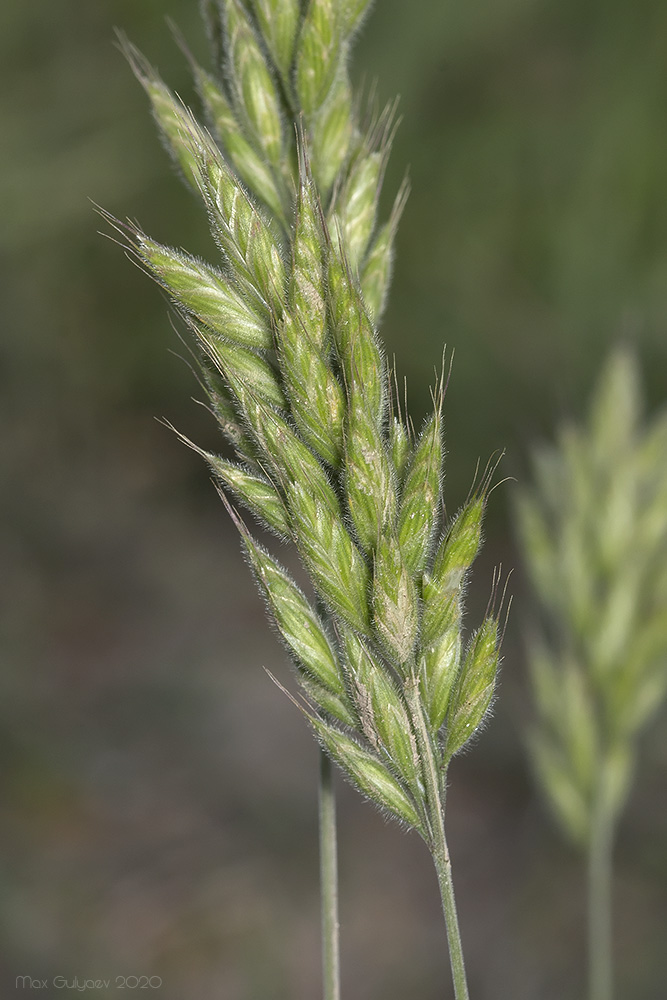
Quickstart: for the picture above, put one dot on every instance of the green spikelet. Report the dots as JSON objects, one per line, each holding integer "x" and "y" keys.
{"x": 228, "y": 417}
{"x": 172, "y": 117}
{"x": 205, "y": 293}
{"x": 376, "y": 270}
{"x": 357, "y": 205}
{"x": 399, "y": 447}
{"x": 335, "y": 564}
{"x": 317, "y": 400}
{"x": 285, "y": 452}
{"x": 459, "y": 549}
{"x": 243, "y": 370}
{"x": 331, "y": 135}
{"x": 241, "y": 232}
{"x": 299, "y": 625}
{"x": 316, "y": 397}
{"x": 256, "y": 94}
{"x": 420, "y": 504}
{"x": 354, "y": 338}
{"x": 368, "y": 773}
{"x": 439, "y": 664}
{"x": 334, "y": 706}
{"x": 237, "y": 226}
{"x": 455, "y": 555}
{"x": 307, "y": 293}
{"x": 369, "y": 483}
{"x": 318, "y": 56}
{"x": 381, "y": 711}
{"x": 279, "y": 20}
{"x": 259, "y": 496}
{"x": 250, "y": 166}
{"x": 395, "y": 605}
{"x": 473, "y": 693}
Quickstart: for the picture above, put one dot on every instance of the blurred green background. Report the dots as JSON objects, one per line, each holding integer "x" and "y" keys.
{"x": 158, "y": 813}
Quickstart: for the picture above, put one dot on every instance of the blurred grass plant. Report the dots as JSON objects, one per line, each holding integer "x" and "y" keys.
{"x": 289, "y": 169}
{"x": 594, "y": 535}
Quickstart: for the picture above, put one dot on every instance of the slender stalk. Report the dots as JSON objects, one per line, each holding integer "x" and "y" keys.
{"x": 329, "y": 881}
{"x": 443, "y": 867}
{"x": 600, "y": 850}
{"x": 437, "y": 842}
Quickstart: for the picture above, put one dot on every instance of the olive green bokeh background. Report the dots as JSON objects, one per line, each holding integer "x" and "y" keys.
{"x": 158, "y": 812}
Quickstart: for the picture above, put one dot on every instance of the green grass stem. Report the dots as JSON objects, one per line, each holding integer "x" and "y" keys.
{"x": 600, "y": 860}
{"x": 437, "y": 841}
{"x": 329, "y": 881}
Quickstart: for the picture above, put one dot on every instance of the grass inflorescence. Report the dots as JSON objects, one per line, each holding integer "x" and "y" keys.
{"x": 289, "y": 170}
{"x": 594, "y": 533}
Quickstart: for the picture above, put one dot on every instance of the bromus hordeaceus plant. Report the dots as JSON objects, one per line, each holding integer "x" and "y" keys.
{"x": 285, "y": 327}
{"x": 594, "y": 535}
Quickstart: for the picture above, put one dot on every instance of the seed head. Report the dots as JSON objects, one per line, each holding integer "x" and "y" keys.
{"x": 284, "y": 327}
{"x": 594, "y": 534}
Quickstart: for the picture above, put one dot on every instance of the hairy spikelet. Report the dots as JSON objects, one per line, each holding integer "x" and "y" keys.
{"x": 285, "y": 325}
{"x": 594, "y": 533}
{"x": 259, "y": 495}
{"x": 256, "y": 96}
{"x": 204, "y": 292}
{"x": 320, "y": 52}
{"x": 249, "y": 165}
{"x": 420, "y": 500}
{"x": 332, "y": 133}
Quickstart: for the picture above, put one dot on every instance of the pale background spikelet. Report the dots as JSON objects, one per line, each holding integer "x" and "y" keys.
{"x": 157, "y": 811}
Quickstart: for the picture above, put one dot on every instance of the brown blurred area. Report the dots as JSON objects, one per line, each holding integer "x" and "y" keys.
{"x": 158, "y": 813}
